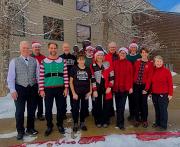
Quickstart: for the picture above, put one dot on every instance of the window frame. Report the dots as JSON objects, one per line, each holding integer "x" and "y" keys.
{"x": 83, "y": 25}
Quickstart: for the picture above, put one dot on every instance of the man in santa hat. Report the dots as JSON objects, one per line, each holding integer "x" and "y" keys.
{"x": 36, "y": 53}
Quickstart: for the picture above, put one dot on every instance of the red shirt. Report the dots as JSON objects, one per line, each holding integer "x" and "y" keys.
{"x": 148, "y": 70}
{"x": 123, "y": 72}
{"x": 39, "y": 57}
{"x": 161, "y": 81}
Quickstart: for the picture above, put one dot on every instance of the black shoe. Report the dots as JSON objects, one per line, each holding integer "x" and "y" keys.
{"x": 83, "y": 126}
{"x": 155, "y": 125}
{"x": 137, "y": 124}
{"x": 105, "y": 125}
{"x": 41, "y": 118}
{"x": 121, "y": 127}
{"x": 98, "y": 125}
{"x": 31, "y": 132}
{"x": 145, "y": 124}
{"x": 20, "y": 136}
{"x": 48, "y": 132}
{"x": 75, "y": 127}
{"x": 162, "y": 128}
{"x": 61, "y": 129}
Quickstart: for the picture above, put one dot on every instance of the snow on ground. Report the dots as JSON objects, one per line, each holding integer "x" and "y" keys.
{"x": 114, "y": 141}
{"x": 173, "y": 73}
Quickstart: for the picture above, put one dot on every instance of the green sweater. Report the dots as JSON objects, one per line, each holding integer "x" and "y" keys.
{"x": 132, "y": 59}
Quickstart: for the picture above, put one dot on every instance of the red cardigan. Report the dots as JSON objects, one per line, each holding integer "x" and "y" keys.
{"x": 148, "y": 70}
{"x": 123, "y": 72}
{"x": 161, "y": 81}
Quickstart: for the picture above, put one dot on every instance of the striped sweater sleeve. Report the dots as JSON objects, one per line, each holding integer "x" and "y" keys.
{"x": 41, "y": 77}
{"x": 66, "y": 79}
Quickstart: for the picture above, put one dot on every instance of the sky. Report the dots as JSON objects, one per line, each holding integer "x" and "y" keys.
{"x": 167, "y": 5}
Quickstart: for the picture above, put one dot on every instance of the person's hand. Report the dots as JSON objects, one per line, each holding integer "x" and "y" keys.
{"x": 130, "y": 91}
{"x": 144, "y": 92}
{"x": 95, "y": 94}
{"x": 42, "y": 93}
{"x": 14, "y": 95}
{"x": 108, "y": 90}
{"x": 75, "y": 96}
{"x": 88, "y": 95}
{"x": 65, "y": 92}
{"x": 169, "y": 97}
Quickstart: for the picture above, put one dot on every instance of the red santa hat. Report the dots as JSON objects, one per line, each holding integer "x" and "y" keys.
{"x": 133, "y": 45}
{"x": 36, "y": 44}
{"x": 90, "y": 48}
{"x": 98, "y": 53}
{"x": 123, "y": 49}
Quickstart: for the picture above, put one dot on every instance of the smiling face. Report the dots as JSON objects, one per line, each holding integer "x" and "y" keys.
{"x": 24, "y": 48}
{"x": 144, "y": 54}
{"x": 89, "y": 53}
{"x": 122, "y": 55}
{"x": 53, "y": 49}
{"x": 66, "y": 48}
{"x": 158, "y": 62}
{"x": 133, "y": 50}
{"x": 100, "y": 58}
{"x": 112, "y": 47}
{"x": 36, "y": 50}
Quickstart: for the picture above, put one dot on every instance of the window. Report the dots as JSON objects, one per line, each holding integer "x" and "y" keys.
{"x": 53, "y": 28}
{"x": 83, "y": 33}
{"x": 58, "y": 1}
{"x": 83, "y": 5}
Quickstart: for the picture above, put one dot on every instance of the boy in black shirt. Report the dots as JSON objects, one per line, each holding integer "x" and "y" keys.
{"x": 80, "y": 84}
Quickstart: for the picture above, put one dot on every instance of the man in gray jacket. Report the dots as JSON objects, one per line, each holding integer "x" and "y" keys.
{"x": 22, "y": 83}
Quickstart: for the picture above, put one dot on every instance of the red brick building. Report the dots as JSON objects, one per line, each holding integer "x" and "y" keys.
{"x": 167, "y": 27}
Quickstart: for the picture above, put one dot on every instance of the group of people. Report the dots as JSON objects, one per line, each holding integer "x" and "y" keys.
{"x": 89, "y": 73}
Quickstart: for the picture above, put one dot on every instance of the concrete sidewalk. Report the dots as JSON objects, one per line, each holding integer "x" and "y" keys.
{"x": 8, "y": 125}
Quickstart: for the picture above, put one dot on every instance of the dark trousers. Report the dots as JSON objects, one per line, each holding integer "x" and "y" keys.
{"x": 71, "y": 99}
{"x": 161, "y": 102}
{"x": 141, "y": 105}
{"x": 131, "y": 105}
{"x": 39, "y": 106}
{"x": 120, "y": 98}
{"x": 111, "y": 111}
{"x": 25, "y": 95}
{"x": 79, "y": 105}
{"x": 50, "y": 95}
{"x": 101, "y": 108}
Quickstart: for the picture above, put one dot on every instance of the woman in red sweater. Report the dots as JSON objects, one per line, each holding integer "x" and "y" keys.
{"x": 123, "y": 83}
{"x": 143, "y": 69}
{"x": 162, "y": 91}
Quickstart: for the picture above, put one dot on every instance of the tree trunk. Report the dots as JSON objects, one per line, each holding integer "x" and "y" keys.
{"x": 105, "y": 25}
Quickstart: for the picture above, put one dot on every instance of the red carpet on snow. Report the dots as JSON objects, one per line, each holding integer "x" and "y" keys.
{"x": 147, "y": 136}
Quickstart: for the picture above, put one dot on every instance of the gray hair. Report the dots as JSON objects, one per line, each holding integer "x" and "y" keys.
{"x": 158, "y": 57}
{"x": 112, "y": 44}
{"x": 23, "y": 42}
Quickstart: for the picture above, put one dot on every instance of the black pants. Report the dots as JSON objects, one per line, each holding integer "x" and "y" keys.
{"x": 25, "y": 94}
{"x": 120, "y": 98}
{"x": 161, "y": 102}
{"x": 39, "y": 106}
{"x": 79, "y": 105}
{"x": 65, "y": 105}
{"x": 141, "y": 106}
{"x": 50, "y": 94}
{"x": 101, "y": 108}
{"x": 131, "y": 105}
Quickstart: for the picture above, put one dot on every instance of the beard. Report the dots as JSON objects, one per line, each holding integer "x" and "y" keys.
{"x": 53, "y": 53}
